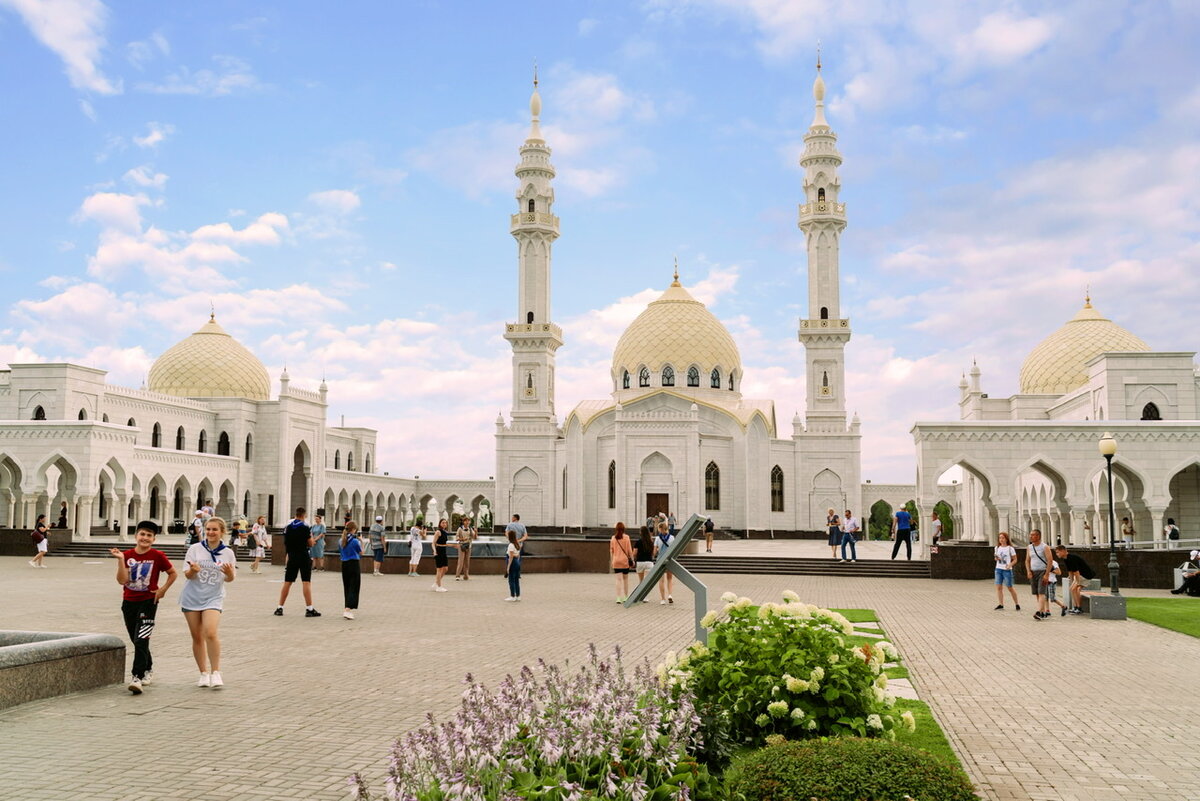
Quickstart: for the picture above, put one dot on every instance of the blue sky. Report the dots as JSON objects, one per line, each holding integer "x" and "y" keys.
{"x": 337, "y": 178}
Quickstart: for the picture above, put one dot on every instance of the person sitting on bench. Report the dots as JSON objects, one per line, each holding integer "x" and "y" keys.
{"x": 1191, "y": 576}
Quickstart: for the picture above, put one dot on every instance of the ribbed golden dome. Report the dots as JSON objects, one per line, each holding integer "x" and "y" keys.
{"x": 210, "y": 364}
{"x": 678, "y": 330}
{"x": 1057, "y": 365}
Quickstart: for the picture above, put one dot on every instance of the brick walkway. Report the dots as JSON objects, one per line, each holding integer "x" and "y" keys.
{"x": 310, "y": 700}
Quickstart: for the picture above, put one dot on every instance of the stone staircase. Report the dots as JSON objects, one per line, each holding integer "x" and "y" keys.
{"x": 791, "y": 566}
{"x": 97, "y": 549}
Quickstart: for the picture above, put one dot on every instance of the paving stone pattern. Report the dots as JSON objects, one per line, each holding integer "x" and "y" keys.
{"x": 1063, "y": 709}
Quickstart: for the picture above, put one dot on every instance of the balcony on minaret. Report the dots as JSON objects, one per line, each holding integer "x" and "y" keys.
{"x": 533, "y": 335}
{"x": 823, "y": 209}
{"x": 823, "y": 325}
{"x": 534, "y": 221}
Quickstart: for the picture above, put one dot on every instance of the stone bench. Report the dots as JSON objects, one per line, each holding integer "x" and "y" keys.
{"x": 1103, "y": 605}
{"x": 40, "y": 664}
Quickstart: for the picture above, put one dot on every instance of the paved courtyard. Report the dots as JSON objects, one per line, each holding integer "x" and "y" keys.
{"x": 1063, "y": 709}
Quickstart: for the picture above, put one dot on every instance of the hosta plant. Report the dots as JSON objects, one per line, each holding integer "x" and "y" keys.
{"x": 550, "y": 735}
{"x": 786, "y": 668}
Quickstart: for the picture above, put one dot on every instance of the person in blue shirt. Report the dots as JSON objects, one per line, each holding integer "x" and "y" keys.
{"x": 351, "y": 555}
{"x": 902, "y": 532}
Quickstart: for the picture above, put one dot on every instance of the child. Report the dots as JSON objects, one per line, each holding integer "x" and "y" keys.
{"x": 138, "y": 571}
{"x": 1055, "y": 572}
{"x": 209, "y": 565}
{"x": 513, "y": 567}
{"x": 258, "y": 543}
{"x": 415, "y": 547}
{"x": 350, "y": 551}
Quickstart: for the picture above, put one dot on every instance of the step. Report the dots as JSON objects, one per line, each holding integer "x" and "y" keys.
{"x": 864, "y": 568}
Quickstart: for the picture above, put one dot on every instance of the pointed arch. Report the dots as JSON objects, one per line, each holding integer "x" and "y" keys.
{"x": 714, "y": 378}
{"x": 337, "y": 459}
{"x": 776, "y": 489}
{"x": 612, "y": 485}
{"x": 693, "y": 376}
{"x": 712, "y": 487}
{"x": 39, "y": 413}
{"x": 644, "y": 376}
{"x": 156, "y": 436}
{"x": 223, "y": 444}
{"x": 249, "y": 447}
{"x": 180, "y": 436}
{"x": 1150, "y": 411}
{"x": 624, "y": 379}
{"x": 668, "y": 376}
{"x": 202, "y": 441}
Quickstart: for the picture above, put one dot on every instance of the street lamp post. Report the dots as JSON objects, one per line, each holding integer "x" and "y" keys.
{"x": 1108, "y": 449}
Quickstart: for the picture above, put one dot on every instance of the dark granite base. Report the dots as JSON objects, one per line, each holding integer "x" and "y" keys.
{"x": 41, "y": 664}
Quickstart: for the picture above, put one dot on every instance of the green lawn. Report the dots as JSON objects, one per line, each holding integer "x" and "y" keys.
{"x": 1176, "y": 614}
{"x": 858, "y": 615}
{"x": 928, "y": 735}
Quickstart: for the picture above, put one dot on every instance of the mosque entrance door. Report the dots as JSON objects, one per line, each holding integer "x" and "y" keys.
{"x": 657, "y": 502}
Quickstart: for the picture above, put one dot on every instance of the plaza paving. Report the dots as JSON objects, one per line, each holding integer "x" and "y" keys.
{"x": 1063, "y": 709}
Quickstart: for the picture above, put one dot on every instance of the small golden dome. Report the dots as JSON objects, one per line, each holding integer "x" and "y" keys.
{"x": 210, "y": 364}
{"x": 680, "y": 331}
{"x": 1058, "y": 364}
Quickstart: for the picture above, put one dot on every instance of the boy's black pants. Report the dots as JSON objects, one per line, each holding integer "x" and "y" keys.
{"x": 139, "y": 622}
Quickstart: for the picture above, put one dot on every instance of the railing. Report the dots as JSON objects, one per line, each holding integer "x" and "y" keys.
{"x": 824, "y": 207}
{"x": 822, "y": 323}
{"x": 536, "y": 218}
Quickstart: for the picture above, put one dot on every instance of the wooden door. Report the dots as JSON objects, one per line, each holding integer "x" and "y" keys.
{"x": 657, "y": 502}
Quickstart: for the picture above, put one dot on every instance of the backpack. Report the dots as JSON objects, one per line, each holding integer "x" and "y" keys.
{"x": 251, "y": 542}
{"x": 1174, "y": 535}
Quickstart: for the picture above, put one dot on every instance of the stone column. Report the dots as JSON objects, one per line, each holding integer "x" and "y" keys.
{"x": 83, "y": 516}
{"x": 122, "y": 519}
{"x": 1158, "y": 521}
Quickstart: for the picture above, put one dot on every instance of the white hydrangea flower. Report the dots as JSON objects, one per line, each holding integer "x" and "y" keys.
{"x": 790, "y": 596}
{"x": 796, "y": 685}
{"x": 811, "y": 725}
{"x": 728, "y": 597}
{"x": 909, "y": 721}
{"x": 888, "y": 649}
{"x": 797, "y": 714}
{"x": 879, "y": 695}
{"x": 699, "y": 649}
{"x": 833, "y": 659}
{"x": 817, "y": 674}
{"x": 874, "y": 722}
{"x": 709, "y": 620}
{"x": 777, "y": 709}
{"x": 743, "y": 603}
{"x": 762, "y": 720}
{"x": 881, "y": 681}
{"x": 766, "y": 610}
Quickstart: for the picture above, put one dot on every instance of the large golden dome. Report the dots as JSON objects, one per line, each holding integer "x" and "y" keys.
{"x": 680, "y": 331}
{"x": 210, "y": 364}
{"x": 1057, "y": 365}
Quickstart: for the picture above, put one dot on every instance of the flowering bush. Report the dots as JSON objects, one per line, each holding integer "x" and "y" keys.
{"x": 549, "y": 736}
{"x": 785, "y": 669}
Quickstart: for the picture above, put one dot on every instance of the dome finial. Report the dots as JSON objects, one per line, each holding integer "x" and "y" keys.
{"x": 819, "y": 94}
{"x": 212, "y": 312}
{"x": 818, "y": 55}
{"x": 676, "y": 281}
{"x": 535, "y": 109}
{"x": 1087, "y": 297}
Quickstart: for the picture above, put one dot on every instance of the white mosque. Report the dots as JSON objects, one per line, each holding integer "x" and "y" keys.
{"x": 674, "y": 434}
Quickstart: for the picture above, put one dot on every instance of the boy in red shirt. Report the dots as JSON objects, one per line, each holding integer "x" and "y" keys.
{"x": 138, "y": 571}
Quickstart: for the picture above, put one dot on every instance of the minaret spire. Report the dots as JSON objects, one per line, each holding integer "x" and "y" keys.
{"x": 676, "y": 281}
{"x": 535, "y": 110}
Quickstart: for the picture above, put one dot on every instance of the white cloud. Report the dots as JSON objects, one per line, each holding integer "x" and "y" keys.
{"x": 155, "y": 134}
{"x": 336, "y": 201}
{"x": 263, "y": 231}
{"x": 141, "y": 52}
{"x": 1002, "y": 38}
{"x": 114, "y": 210}
{"x": 74, "y": 31}
{"x": 144, "y": 176}
{"x": 231, "y": 75}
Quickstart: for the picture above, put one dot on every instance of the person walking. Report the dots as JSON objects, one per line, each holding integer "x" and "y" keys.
{"x": 441, "y": 559}
{"x": 258, "y": 543}
{"x": 416, "y": 536}
{"x": 902, "y": 532}
{"x": 378, "y": 542}
{"x": 621, "y": 557}
{"x": 666, "y": 585}
{"x": 1037, "y": 567}
{"x": 850, "y": 529}
{"x": 1128, "y": 532}
{"x": 671, "y": 523}
{"x": 208, "y": 566}
{"x": 512, "y": 568}
{"x": 350, "y": 552}
{"x": 196, "y": 529}
{"x": 138, "y": 573}
{"x": 464, "y": 537}
{"x": 1006, "y": 557}
{"x": 317, "y": 552}
{"x": 297, "y": 539}
{"x": 708, "y": 534}
{"x": 644, "y": 549}
{"x": 835, "y": 533}
{"x": 41, "y": 542}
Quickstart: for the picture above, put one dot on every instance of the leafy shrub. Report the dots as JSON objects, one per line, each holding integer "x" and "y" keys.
{"x": 785, "y": 669}
{"x": 844, "y": 769}
{"x": 550, "y": 736}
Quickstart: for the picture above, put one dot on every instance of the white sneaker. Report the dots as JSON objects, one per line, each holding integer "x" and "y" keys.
{"x": 217, "y": 683}
{"x": 841, "y": 560}
{"x": 518, "y": 599}
{"x": 135, "y": 686}
{"x": 348, "y": 615}
{"x": 510, "y": 599}
{"x": 147, "y": 678}
{"x": 42, "y": 566}
{"x": 662, "y": 603}
{"x": 441, "y": 589}
{"x": 205, "y": 680}
{"x": 32, "y": 563}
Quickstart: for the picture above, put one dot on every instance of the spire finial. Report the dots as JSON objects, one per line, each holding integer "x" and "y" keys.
{"x": 819, "y": 94}
{"x": 1087, "y": 297}
{"x": 212, "y": 312}
{"x": 676, "y": 281}
{"x": 535, "y": 110}
{"x": 818, "y": 55}
{"x": 535, "y": 73}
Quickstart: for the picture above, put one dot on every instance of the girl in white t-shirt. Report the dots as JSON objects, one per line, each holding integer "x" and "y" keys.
{"x": 209, "y": 566}
{"x": 1006, "y": 557}
{"x": 259, "y": 550}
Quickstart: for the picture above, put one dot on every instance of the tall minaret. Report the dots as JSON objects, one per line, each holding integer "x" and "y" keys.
{"x": 533, "y": 336}
{"x": 822, "y": 219}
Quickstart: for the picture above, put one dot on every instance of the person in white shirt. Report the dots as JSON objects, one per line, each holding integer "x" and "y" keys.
{"x": 850, "y": 529}
{"x": 415, "y": 546}
{"x": 1006, "y": 557}
{"x": 936, "y": 525}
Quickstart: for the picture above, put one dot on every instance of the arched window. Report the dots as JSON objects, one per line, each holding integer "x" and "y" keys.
{"x": 668, "y": 376}
{"x": 132, "y": 423}
{"x": 625, "y": 379}
{"x": 612, "y": 485}
{"x": 529, "y": 318}
{"x": 104, "y": 418}
{"x": 179, "y": 438}
{"x": 1150, "y": 412}
{"x": 337, "y": 460}
{"x": 712, "y": 487}
{"x": 202, "y": 443}
{"x": 821, "y": 193}
{"x": 39, "y": 413}
{"x": 156, "y": 436}
{"x": 249, "y": 447}
{"x": 693, "y": 376}
{"x": 564, "y": 488}
{"x": 731, "y": 380}
{"x": 350, "y": 460}
{"x": 154, "y": 503}
{"x": 531, "y": 207}
{"x": 824, "y": 312}
{"x": 177, "y": 506}
{"x": 776, "y": 489}
{"x": 714, "y": 378}
{"x": 825, "y": 378}
{"x": 223, "y": 444}
{"x": 644, "y": 378}
{"x": 83, "y": 414}
{"x": 367, "y": 465}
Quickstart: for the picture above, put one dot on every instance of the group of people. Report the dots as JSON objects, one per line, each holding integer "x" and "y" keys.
{"x": 846, "y": 531}
{"x": 1047, "y": 568}
{"x": 627, "y": 556}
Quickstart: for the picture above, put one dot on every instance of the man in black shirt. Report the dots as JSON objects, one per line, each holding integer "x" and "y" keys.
{"x": 1073, "y": 565}
{"x": 297, "y": 539}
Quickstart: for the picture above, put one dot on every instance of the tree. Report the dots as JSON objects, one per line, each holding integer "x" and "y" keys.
{"x": 879, "y": 525}
{"x": 946, "y": 515}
